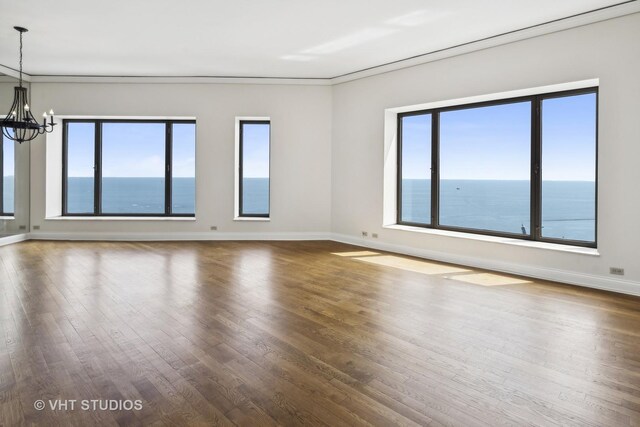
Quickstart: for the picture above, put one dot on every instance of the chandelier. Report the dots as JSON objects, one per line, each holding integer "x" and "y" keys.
{"x": 20, "y": 125}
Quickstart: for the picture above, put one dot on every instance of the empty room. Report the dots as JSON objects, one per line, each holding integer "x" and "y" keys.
{"x": 336, "y": 213}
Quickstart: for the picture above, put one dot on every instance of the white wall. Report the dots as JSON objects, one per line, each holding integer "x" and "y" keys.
{"x": 607, "y": 50}
{"x": 300, "y": 151}
{"x": 327, "y": 149}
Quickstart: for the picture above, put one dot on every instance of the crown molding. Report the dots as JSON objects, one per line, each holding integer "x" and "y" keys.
{"x": 182, "y": 80}
{"x": 610, "y": 12}
{"x": 10, "y": 72}
{"x": 598, "y": 15}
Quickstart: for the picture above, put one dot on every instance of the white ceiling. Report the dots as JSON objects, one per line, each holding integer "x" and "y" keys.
{"x": 254, "y": 38}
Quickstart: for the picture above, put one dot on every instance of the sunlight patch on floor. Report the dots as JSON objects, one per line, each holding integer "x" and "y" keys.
{"x": 355, "y": 254}
{"x": 416, "y": 266}
{"x": 489, "y": 279}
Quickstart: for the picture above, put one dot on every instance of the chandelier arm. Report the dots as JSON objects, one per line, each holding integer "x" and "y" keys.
{"x": 20, "y": 124}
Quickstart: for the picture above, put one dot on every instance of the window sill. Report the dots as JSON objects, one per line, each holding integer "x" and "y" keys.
{"x": 495, "y": 239}
{"x": 121, "y": 218}
{"x": 252, "y": 218}
{"x": 7, "y": 218}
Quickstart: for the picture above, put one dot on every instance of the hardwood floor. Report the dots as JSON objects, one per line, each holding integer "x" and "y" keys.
{"x": 293, "y": 333}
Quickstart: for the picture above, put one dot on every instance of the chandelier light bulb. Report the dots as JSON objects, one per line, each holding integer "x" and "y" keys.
{"x": 51, "y": 112}
{"x": 44, "y": 114}
{"x": 26, "y": 107}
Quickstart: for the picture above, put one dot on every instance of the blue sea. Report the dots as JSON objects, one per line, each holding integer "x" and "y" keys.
{"x": 146, "y": 195}
{"x": 568, "y": 207}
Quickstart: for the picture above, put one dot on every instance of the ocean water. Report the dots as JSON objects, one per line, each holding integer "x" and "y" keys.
{"x": 146, "y": 195}
{"x": 7, "y": 194}
{"x": 255, "y": 195}
{"x": 568, "y": 207}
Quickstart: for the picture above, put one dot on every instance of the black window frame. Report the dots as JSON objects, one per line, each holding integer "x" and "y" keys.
{"x": 2, "y": 212}
{"x": 241, "y": 124}
{"x": 535, "y": 225}
{"x": 97, "y": 167}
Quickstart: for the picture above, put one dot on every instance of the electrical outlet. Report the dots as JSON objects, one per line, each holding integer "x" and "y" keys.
{"x": 365, "y": 234}
{"x": 22, "y": 227}
{"x": 374, "y": 235}
{"x": 36, "y": 227}
{"x": 214, "y": 228}
{"x": 617, "y": 271}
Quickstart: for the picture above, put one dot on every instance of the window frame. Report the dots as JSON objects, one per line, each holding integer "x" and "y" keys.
{"x": 241, "y": 123}
{"x": 97, "y": 168}
{"x": 2, "y": 212}
{"x": 535, "y": 203}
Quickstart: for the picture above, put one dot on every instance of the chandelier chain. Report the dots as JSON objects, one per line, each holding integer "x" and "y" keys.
{"x": 21, "y": 59}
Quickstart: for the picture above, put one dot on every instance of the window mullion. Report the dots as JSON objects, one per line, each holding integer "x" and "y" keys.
{"x": 241, "y": 170}
{"x": 65, "y": 160}
{"x": 399, "y": 188}
{"x": 2, "y": 212}
{"x": 167, "y": 170}
{"x": 536, "y": 171}
{"x": 435, "y": 169}
{"x": 97, "y": 172}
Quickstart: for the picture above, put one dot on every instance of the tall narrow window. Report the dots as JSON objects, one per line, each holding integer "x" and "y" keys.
{"x": 485, "y": 161}
{"x": 415, "y": 169}
{"x": 569, "y": 167}
{"x": 254, "y": 168}
{"x": 80, "y": 152}
{"x": 7, "y": 173}
{"x": 183, "y": 172}
{"x": 132, "y": 167}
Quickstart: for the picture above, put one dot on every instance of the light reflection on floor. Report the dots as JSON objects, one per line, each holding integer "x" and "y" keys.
{"x": 459, "y": 274}
{"x": 424, "y": 267}
{"x": 489, "y": 279}
{"x": 355, "y": 254}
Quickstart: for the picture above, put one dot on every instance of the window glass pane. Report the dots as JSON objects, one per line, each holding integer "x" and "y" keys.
{"x": 569, "y": 167}
{"x": 80, "y": 172}
{"x": 255, "y": 169}
{"x": 183, "y": 167}
{"x": 8, "y": 174}
{"x": 485, "y": 156}
{"x": 133, "y": 168}
{"x": 416, "y": 169}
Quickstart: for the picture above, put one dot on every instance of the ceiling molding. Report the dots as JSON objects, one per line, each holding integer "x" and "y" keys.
{"x": 14, "y": 73}
{"x": 182, "y": 80}
{"x": 586, "y": 18}
{"x": 603, "y": 14}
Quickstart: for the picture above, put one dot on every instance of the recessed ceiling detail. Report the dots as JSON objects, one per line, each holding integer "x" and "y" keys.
{"x": 271, "y": 38}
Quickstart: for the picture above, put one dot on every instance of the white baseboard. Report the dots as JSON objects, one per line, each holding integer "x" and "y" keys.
{"x": 7, "y": 240}
{"x": 563, "y": 276}
{"x": 143, "y": 237}
{"x": 581, "y": 279}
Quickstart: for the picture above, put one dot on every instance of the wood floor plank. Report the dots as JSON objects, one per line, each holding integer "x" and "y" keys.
{"x": 304, "y": 333}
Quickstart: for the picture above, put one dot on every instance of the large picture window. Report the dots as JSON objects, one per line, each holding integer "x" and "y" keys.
{"x": 7, "y": 176}
{"x": 254, "y": 168}
{"x": 523, "y": 167}
{"x": 129, "y": 168}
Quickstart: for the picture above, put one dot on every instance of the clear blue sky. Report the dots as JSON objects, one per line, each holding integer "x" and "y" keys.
{"x": 131, "y": 150}
{"x": 137, "y": 150}
{"x": 255, "y": 151}
{"x": 8, "y": 157}
{"x": 494, "y": 142}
